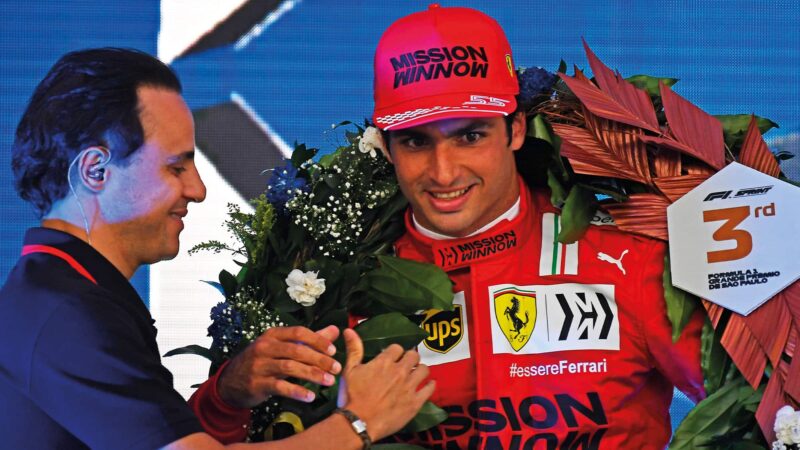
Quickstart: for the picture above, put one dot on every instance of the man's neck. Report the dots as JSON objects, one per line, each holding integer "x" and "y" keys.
{"x": 98, "y": 239}
{"x": 510, "y": 214}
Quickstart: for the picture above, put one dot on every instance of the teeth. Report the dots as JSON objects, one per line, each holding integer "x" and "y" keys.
{"x": 449, "y": 195}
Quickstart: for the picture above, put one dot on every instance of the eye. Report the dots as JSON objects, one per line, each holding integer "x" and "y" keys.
{"x": 413, "y": 142}
{"x": 177, "y": 170}
{"x": 472, "y": 136}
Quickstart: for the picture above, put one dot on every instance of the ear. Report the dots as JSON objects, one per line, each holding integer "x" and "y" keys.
{"x": 92, "y": 162}
{"x": 518, "y": 129}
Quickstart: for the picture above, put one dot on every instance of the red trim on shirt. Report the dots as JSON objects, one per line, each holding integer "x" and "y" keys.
{"x": 28, "y": 249}
{"x": 222, "y": 421}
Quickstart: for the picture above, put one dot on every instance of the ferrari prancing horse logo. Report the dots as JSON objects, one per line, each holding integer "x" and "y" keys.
{"x": 515, "y": 311}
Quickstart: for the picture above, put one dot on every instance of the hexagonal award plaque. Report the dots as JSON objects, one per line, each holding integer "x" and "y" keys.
{"x": 735, "y": 239}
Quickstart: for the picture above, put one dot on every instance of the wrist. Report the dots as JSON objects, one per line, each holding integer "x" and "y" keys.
{"x": 358, "y": 426}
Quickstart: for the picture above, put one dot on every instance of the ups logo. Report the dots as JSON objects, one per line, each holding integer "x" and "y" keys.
{"x": 445, "y": 329}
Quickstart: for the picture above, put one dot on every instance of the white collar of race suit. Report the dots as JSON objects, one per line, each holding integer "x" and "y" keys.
{"x": 510, "y": 214}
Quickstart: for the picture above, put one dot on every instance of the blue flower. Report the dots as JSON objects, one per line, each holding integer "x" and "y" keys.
{"x": 283, "y": 185}
{"x": 533, "y": 82}
{"x": 226, "y": 325}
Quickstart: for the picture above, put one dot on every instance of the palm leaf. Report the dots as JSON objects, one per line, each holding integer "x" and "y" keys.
{"x": 700, "y": 132}
{"x": 666, "y": 163}
{"x": 772, "y": 400}
{"x": 644, "y": 214}
{"x": 756, "y": 154}
{"x": 601, "y": 104}
{"x": 593, "y": 154}
{"x": 635, "y": 101}
{"x": 676, "y": 187}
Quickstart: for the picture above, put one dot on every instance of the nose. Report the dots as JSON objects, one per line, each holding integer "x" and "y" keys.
{"x": 195, "y": 189}
{"x": 444, "y": 165}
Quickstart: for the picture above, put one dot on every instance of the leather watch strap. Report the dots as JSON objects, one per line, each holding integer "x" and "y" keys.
{"x": 358, "y": 426}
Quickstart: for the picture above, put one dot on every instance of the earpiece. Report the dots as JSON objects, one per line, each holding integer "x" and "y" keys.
{"x": 96, "y": 173}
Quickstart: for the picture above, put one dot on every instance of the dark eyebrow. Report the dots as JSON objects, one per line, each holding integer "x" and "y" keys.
{"x": 469, "y": 128}
{"x": 408, "y": 133}
{"x": 181, "y": 157}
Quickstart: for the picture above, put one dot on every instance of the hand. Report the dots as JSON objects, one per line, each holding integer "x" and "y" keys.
{"x": 385, "y": 392}
{"x": 281, "y": 352}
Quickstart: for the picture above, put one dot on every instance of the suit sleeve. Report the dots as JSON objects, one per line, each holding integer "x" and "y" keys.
{"x": 225, "y": 423}
{"x": 678, "y": 361}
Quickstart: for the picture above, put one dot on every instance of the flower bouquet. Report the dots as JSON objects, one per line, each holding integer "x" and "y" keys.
{"x": 315, "y": 252}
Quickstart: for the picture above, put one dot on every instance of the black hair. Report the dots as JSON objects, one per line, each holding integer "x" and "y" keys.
{"x": 88, "y": 98}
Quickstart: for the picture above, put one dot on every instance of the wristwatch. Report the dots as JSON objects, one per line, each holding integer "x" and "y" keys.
{"x": 358, "y": 426}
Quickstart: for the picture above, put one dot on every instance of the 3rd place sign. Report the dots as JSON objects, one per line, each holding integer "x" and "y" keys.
{"x": 734, "y": 238}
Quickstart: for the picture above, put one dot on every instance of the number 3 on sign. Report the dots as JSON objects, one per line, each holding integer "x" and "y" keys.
{"x": 728, "y": 231}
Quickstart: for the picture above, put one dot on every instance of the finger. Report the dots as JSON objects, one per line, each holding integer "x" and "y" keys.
{"x": 355, "y": 349}
{"x": 422, "y": 395}
{"x": 392, "y": 353}
{"x": 331, "y": 332}
{"x": 294, "y": 352}
{"x": 418, "y": 375}
{"x": 409, "y": 360}
{"x": 287, "y": 368}
{"x": 286, "y": 389}
{"x": 304, "y": 336}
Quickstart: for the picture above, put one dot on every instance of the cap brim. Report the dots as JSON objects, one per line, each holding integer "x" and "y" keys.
{"x": 447, "y": 106}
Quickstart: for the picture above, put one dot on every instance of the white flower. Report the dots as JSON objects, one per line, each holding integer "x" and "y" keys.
{"x": 304, "y": 287}
{"x": 794, "y": 432}
{"x": 371, "y": 140}
{"x": 787, "y": 425}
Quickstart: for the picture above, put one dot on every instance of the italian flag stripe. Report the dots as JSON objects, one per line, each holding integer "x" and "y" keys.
{"x": 556, "y": 258}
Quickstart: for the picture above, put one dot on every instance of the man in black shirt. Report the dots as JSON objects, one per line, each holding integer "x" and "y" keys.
{"x": 104, "y": 152}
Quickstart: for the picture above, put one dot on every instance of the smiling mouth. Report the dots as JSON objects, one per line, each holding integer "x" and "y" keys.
{"x": 449, "y": 195}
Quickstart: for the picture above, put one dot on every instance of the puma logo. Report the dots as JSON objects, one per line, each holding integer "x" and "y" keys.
{"x": 617, "y": 262}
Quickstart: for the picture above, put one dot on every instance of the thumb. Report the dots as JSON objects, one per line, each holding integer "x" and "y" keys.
{"x": 355, "y": 349}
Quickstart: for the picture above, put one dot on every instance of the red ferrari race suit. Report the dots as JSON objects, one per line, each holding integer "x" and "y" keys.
{"x": 552, "y": 346}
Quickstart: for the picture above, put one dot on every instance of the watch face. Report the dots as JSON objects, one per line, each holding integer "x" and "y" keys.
{"x": 359, "y": 426}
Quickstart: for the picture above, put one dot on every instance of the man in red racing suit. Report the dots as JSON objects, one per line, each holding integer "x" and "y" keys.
{"x": 551, "y": 345}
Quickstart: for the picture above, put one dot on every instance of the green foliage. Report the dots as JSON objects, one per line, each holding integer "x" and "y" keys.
{"x": 427, "y": 417}
{"x": 192, "y": 350}
{"x": 723, "y": 420}
{"x": 734, "y": 127}
{"x": 380, "y": 331}
{"x": 408, "y": 286}
{"x": 680, "y": 304}
{"x": 650, "y": 84}
{"x": 577, "y": 213}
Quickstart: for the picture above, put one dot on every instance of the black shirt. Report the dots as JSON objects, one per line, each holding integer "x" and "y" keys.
{"x": 79, "y": 363}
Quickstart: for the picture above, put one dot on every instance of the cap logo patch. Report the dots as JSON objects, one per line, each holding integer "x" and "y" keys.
{"x": 439, "y": 62}
{"x": 510, "y": 65}
{"x": 486, "y": 100}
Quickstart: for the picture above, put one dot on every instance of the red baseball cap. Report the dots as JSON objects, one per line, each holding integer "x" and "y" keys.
{"x": 442, "y": 63}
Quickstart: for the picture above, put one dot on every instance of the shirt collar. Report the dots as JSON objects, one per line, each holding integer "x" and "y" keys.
{"x": 510, "y": 214}
{"x": 502, "y": 236}
{"x": 97, "y": 265}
